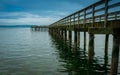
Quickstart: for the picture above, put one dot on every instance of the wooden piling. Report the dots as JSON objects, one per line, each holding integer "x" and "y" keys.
{"x": 58, "y": 31}
{"x": 105, "y": 63}
{"x": 106, "y": 43}
{"x": 75, "y": 40}
{"x": 91, "y": 47}
{"x": 62, "y": 34}
{"x": 78, "y": 38}
{"x": 65, "y": 36}
{"x": 69, "y": 38}
{"x": 115, "y": 52}
{"x": 84, "y": 40}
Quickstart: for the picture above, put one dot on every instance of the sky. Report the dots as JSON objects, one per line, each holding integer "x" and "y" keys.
{"x": 38, "y": 12}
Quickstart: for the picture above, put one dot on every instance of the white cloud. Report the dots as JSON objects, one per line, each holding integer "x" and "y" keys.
{"x": 16, "y": 14}
{"x": 58, "y": 13}
{"x": 27, "y": 18}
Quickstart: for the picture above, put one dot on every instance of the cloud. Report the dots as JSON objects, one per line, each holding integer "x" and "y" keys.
{"x": 38, "y": 12}
{"x": 26, "y": 18}
{"x": 28, "y": 21}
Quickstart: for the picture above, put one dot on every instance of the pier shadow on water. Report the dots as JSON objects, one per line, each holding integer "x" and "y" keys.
{"x": 76, "y": 63}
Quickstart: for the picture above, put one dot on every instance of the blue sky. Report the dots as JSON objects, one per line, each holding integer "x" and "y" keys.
{"x": 38, "y": 12}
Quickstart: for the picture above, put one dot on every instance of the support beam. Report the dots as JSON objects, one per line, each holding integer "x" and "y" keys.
{"x": 100, "y": 30}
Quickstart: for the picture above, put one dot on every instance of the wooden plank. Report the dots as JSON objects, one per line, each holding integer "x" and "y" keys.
{"x": 100, "y": 30}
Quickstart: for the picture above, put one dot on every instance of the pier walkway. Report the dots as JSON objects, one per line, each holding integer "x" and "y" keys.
{"x": 101, "y": 17}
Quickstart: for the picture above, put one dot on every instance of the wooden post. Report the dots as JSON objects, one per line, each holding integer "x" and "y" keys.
{"x": 55, "y": 32}
{"x": 105, "y": 63}
{"x": 106, "y": 14}
{"x": 78, "y": 38}
{"x": 91, "y": 47}
{"x": 62, "y": 34}
{"x": 58, "y": 33}
{"x": 84, "y": 30}
{"x": 106, "y": 43}
{"x": 75, "y": 40}
{"x": 65, "y": 36}
{"x": 115, "y": 52}
{"x": 84, "y": 40}
{"x": 93, "y": 14}
{"x": 69, "y": 38}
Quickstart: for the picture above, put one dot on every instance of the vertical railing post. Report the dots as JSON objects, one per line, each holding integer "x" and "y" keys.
{"x": 106, "y": 14}
{"x": 84, "y": 18}
{"x": 70, "y": 20}
{"x": 74, "y": 20}
{"x": 78, "y": 18}
{"x": 93, "y": 14}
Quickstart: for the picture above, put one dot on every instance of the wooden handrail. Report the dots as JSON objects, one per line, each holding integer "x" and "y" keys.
{"x": 93, "y": 14}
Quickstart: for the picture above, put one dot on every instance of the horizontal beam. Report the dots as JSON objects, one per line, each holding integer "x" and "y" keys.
{"x": 100, "y": 30}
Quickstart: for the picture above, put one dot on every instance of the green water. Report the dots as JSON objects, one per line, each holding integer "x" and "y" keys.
{"x": 26, "y": 52}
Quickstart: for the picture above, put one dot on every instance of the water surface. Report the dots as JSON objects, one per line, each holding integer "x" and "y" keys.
{"x": 26, "y": 52}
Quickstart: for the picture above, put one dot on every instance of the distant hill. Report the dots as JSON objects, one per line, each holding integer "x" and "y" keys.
{"x": 15, "y": 26}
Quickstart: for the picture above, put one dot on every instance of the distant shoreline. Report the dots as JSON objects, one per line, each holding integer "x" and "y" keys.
{"x": 15, "y": 26}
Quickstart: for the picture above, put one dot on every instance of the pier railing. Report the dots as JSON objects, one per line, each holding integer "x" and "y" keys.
{"x": 100, "y": 12}
{"x": 102, "y": 17}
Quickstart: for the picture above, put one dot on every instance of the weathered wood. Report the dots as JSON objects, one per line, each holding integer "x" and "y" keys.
{"x": 78, "y": 39}
{"x": 106, "y": 14}
{"x": 93, "y": 14}
{"x": 106, "y": 43}
{"x": 75, "y": 41}
{"x": 62, "y": 34}
{"x": 84, "y": 40}
{"x": 91, "y": 47}
{"x": 103, "y": 23}
{"x": 105, "y": 63}
{"x": 69, "y": 38}
{"x": 65, "y": 36}
{"x": 100, "y": 30}
{"x": 115, "y": 52}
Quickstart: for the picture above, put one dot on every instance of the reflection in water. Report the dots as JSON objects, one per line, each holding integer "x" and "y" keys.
{"x": 77, "y": 63}
{"x": 39, "y": 29}
{"x": 105, "y": 63}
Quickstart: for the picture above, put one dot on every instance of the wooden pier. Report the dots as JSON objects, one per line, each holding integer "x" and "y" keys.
{"x": 94, "y": 19}
{"x": 39, "y": 28}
